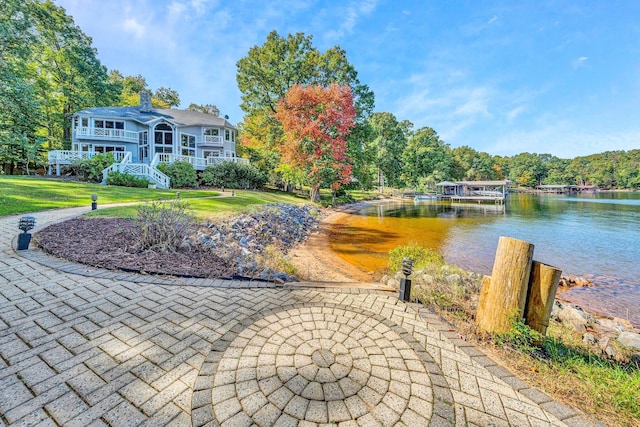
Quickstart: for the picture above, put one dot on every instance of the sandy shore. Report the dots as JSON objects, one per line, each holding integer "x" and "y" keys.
{"x": 316, "y": 261}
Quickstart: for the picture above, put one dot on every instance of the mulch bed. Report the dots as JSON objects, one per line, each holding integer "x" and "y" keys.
{"x": 113, "y": 243}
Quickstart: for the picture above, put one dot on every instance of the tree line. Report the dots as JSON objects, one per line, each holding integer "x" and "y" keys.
{"x": 380, "y": 150}
{"x": 49, "y": 70}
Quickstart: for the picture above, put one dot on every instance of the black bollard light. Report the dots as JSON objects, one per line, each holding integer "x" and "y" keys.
{"x": 405, "y": 283}
{"x": 25, "y": 224}
{"x": 94, "y": 202}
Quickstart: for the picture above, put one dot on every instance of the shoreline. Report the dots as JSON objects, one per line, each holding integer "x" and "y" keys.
{"x": 316, "y": 260}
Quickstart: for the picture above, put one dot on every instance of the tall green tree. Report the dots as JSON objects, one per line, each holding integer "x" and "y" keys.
{"x": 472, "y": 165}
{"x": 268, "y": 71}
{"x": 20, "y": 114}
{"x": 168, "y": 96}
{"x": 427, "y": 159}
{"x": 527, "y": 169}
{"x": 70, "y": 75}
{"x": 389, "y": 143}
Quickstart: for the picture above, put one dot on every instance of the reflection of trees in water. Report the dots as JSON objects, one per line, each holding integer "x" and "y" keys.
{"x": 434, "y": 210}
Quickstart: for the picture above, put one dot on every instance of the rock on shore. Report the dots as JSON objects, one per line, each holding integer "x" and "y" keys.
{"x": 614, "y": 338}
{"x": 241, "y": 240}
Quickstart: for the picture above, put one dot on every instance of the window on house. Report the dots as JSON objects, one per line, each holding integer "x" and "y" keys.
{"x": 163, "y": 138}
{"x": 188, "y": 144}
{"x": 108, "y": 124}
{"x": 226, "y": 135}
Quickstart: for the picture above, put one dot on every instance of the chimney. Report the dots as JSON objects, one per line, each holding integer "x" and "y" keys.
{"x": 145, "y": 102}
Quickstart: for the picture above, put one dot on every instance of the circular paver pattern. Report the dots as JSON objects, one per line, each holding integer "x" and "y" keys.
{"x": 321, "y": 365}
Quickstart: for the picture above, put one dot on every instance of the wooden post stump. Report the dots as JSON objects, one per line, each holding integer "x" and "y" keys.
{"x": 507, "y": 292}
{"x": 543, "y": 284}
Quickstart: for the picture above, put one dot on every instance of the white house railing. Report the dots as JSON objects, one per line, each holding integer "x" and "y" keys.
{"x": 216, "y": 160}
{"x": 101, "y": 133}
{"x": 197, "y": 162}
{"x": 209, "y": 140}
{"x": 141, "y": 170}
{"x": 68, "y": 156}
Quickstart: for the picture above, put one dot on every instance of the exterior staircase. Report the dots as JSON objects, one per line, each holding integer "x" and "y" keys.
{"x": 140, "y": 170}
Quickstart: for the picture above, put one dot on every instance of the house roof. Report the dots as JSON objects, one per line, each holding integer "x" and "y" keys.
{"x": 179, "y": 117}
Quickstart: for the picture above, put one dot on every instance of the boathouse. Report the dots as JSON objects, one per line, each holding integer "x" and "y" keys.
{"x": 473, "y": 191}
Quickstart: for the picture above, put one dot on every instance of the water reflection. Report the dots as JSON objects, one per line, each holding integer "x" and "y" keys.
{"x": 597, "y": 236}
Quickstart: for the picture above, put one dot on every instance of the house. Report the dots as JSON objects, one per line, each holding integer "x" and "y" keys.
{"x": 141, "y": 137}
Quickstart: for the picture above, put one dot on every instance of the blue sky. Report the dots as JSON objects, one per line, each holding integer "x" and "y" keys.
{"x": 505, "y": 77}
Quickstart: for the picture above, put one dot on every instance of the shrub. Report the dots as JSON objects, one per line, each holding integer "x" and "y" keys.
{"x": 233, "y": 175}
{"x": 126, "y": 180}
{"x": 91, "y": 169}
{"x": 182, "y": 174}
{"x": 422, "y": 257}
{"x": 165, "y": 225}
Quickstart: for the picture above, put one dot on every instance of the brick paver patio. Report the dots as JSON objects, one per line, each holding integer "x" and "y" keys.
{"x": 87, "y": 347}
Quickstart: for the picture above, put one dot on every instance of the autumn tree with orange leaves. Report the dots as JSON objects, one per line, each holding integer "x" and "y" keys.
{"x": 316, "y": 122}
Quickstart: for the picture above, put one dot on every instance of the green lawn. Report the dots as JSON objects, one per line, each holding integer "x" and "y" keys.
{"x": 20, "y": 194}
{"x": 211, "y": 207}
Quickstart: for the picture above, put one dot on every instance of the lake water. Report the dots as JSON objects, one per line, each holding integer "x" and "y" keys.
{"x": 596, "y": 236}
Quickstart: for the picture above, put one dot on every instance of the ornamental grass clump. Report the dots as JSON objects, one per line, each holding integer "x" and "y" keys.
{"x": 451, "y": 290}
{"x": 165, "y": 225}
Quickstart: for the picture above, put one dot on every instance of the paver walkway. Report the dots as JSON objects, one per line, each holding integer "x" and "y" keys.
{"x": 86, "y": 347}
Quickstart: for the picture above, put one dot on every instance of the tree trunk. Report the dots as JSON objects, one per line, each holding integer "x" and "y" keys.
{"x": 507, "y": 293}
{"x": 314, "y": 194}
{"x": 543, "y": 284}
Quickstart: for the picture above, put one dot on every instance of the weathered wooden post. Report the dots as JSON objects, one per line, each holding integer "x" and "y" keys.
{"x": 506, "y": 295}
{"x": 543, "y": 284}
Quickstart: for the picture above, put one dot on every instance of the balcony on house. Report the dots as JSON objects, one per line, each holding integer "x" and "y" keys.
{"x": 210, "y": 140}
{"x": 106, "y": 134}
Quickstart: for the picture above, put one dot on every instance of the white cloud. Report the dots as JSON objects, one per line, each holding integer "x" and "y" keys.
{"x": 493, "y": 19}
{"x": 176, "y": 8}
{"x": 515, "y": 112}
{"x": 132, "y": 26}
{"x": 580, "y": 62}
{"x": 351, "y": 15}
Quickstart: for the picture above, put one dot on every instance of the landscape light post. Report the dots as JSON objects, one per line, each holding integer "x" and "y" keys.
{"x": 405, "y": 282}
{"x": 25, "y": 224}
{"x": 94, "y": 202}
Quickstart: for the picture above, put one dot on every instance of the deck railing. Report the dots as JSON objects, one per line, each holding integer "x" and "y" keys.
{"x": 197, "y": 162}
{"x": 209, "y": 140}
{"x": 68, "y": 156}
{"x": 216, "y": 160}
{"x": 101, "y": 133}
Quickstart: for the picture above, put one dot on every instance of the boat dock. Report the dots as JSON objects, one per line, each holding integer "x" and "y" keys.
{"x": 473, "y": 191}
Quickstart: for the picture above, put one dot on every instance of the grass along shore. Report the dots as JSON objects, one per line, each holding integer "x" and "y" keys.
{"x": 563, "y": 366}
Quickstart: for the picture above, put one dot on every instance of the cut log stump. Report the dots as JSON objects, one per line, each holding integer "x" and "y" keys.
{"x": 506, "y": 294}
{"x": 543, "y": 284}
